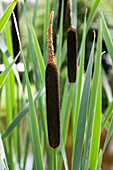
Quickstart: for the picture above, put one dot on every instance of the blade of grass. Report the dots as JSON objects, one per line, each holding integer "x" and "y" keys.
{"x": 55, "y": 8}
{"x": 79, "y": 81}
{"x": 83, "y": 113}
{"x": 106, "y": 86}
{"x": 26, "y": 150}
{"x": 63, "y": 153}
{"x": 109, "y": 134}
{"x": 107, "y": 37}
{"x": 64, "y": 101}
{"x": 64, "y": 52}
{"x": 6, "y": 15}
{"x": 93, "y": 93}
{"x": 92, "y": 14}
{"x": 4, "y": 49}
{"x": 90, "y": 19}
{"x": 4, "y": 74}
{"x": 74, "y": 13}
{"x": 95, "y": 142}
{"x": 107, "y": 114}
{"x": 34, "y": 12}
{"x": 65, "y": 122}
{"x": 58, "y": 53}
{"x": 100, "y": 154}
{"x": 38, "y": 54}
{"x": 46, "y": 23}
{"x": 21, "y": 115}
{"x": 9, "y": 116}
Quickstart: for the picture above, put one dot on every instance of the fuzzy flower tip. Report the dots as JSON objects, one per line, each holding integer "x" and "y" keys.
{"x": 50, "y": 48}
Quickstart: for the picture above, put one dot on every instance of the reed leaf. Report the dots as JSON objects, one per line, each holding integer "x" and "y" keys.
{"x": 107, "y": 38}
{"x": 6, "y": 15}
{"x": 92, "y": 14}
{"x": 93, "y": 94}
{"x": 94, "y": 149}
{"x": 109, "y": 134}
{"x": 107, "y": 114}
{"x": 83, "y": 113}
{"x": 4, "y": 74}
{"x": 38, "y": 54}
{"x": 60, "y": 34}
{"x": 106, "y": 86}
{"x": 21, "y": 114}
{"x": 79, "y": 81}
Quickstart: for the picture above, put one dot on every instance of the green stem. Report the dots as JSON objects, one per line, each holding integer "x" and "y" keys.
{"x": 55, "y": 159}
{"x": 72, "y": 116}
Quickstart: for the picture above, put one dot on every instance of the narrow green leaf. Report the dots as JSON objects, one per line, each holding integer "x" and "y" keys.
{"x": 92, "y": 14}
{"x": 63, "y": 154}
{"x": 6, "y": 15}
{"x": 65, "y": 110}
{"x": 4, "y": 50}
{"x": 35, "y": 12}
{"x": 26, "y": 150}
{"x": 107, "y": 114}
{"x": 38, "y": 54}
{"x": 93, "y": 93}
{"x": 100, "y": 154}
{"x": 64, "y": 52}
{"x": 109, "y": 134}
{"x": 4, "y": 74}
{"x": 107, "y": 37}
{"x": 21, "y": 115}
{"x": 83, "y": 113}
{"x": 65, "y": 122}
{"x": 9, "y": 113}
{"x": 94, "y": 148}
{"x": 79, "y": 80}
{"x": 58, "y": 53}
{"x": 74, "y": 13}
{"x": 46, "y": 23}
{"x": 106, "y": 86}
{"x": 64, "y": 101}
{"x": 55, "y": 9}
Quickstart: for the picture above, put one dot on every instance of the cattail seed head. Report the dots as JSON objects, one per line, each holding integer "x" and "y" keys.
{"x": 52, "y": 92}
{"x": 72, "y": 54}
{"x": 53, "y": 106}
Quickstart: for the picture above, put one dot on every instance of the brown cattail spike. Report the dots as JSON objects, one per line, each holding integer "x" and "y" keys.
{"x": 52, "y": 92}
{"x": 53, "y": 106}
{"x": 72, "y": 54}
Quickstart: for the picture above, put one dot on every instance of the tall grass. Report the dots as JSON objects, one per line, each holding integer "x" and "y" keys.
{"x": 84, "y": 99}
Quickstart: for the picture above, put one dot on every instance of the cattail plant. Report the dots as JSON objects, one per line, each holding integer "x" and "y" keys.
{"x": 52, "y": 92}
{"x": 72, "y": 63}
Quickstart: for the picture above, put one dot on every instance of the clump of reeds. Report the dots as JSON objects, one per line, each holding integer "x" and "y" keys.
{"x": 52, "y": 92}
